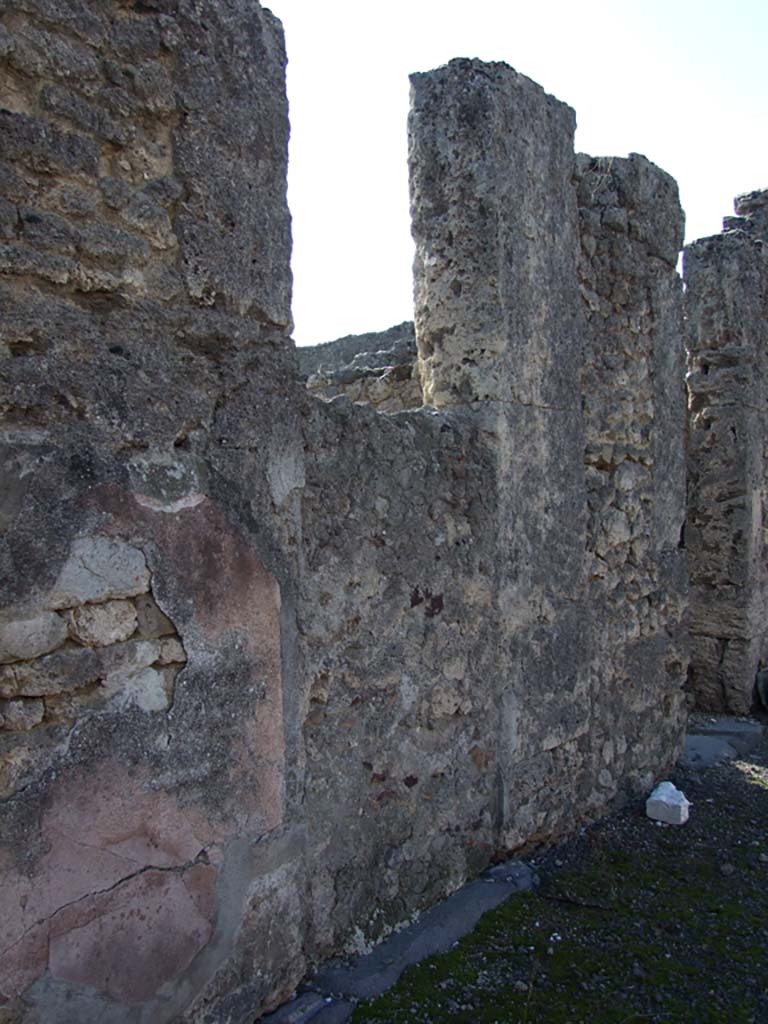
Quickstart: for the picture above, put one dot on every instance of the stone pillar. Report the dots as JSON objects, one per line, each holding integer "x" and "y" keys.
{"x": 726, "y": 287}
{"x": 498, "y": 329}
{"x": 493, "y": 218}
{"x": 634, "y": 415}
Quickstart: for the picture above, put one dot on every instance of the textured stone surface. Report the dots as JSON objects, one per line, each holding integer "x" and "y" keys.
{"x": 99, "y": 569}
{"x": 373, "y": 369}
{"x": 144, "y": 308}
{"x": 21, "y": 715}
{"x": 24, "y": 638}
{"x": 634, "y": 412}
{"x": 484, "y": 234}
{"x": 103, "y": 624}
{"x": 152, "y": 622}
{"x": 499, "y": 327}
{"x": 365, "y": 661}
{"x": 727, "y": 305}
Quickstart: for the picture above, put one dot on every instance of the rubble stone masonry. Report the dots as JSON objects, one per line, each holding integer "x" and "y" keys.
{"x": 279, "y": 669}
{"x": 727, "y": 336}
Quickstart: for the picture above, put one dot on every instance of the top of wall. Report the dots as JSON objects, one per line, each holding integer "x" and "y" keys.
{"x": 144, "y": 153}
{"x": 396, "y": 344}
{"x": 752, "y": 214}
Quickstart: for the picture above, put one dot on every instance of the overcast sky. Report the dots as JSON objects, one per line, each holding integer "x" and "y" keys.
{"x": 683, "y": 81}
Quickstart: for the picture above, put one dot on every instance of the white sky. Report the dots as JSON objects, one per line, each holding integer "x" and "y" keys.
{"x": 683, "y": 81}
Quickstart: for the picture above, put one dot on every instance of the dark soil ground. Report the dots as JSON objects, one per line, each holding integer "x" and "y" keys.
{"x": 634, "y": 923}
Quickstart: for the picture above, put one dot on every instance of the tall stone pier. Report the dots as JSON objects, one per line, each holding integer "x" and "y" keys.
{"x": 499, "y": 330}
{"x": 727, "y": 314}
{"x": 547, "y": 304}
{"x": 634, "y": 421}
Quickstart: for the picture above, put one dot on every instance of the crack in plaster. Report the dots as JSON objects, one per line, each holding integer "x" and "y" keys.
{"x": 202, "y": 858}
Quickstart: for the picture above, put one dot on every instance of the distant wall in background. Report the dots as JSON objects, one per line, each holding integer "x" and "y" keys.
{"x": 727, "y": 319}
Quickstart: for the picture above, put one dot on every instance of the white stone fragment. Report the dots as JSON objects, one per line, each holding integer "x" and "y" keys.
{"x": 134, "y": 680}
{"x": 145, "y": 688}
{"x": 668, "y": 804}
{"x": 99, "y": 569}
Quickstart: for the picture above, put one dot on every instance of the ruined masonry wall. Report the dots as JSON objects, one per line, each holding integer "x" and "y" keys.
{"x": 377, "y": 369}
{"x": 144, "y": 598}
{"x": 277, "y": 673}
{"x": 634, "y": 460}
{"x": 727, "y": 313}
{"x": 505, "y": 235}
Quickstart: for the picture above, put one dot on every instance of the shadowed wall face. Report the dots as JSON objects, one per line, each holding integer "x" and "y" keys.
{"x": 727, "y": 305}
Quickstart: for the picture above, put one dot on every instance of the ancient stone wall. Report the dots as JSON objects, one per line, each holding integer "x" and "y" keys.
{"x": 146, "y": 596}
{"x": 277, "y": 673}
{"x": 727, "y": 314}
{"x": 582, "y": 395}
{"x": 377, "y": 369}
{"x": 634, "y": 415}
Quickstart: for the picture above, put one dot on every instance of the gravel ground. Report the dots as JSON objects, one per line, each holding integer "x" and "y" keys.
{"x": 634, "y": 923}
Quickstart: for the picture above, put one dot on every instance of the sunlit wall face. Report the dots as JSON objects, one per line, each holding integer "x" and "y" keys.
{"x": 683, "y": 83}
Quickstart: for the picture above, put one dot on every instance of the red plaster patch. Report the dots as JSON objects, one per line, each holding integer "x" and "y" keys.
{"x": 100, "y": 828}
{"x": 214, "y": 568}
{"x": 130, "y": 941}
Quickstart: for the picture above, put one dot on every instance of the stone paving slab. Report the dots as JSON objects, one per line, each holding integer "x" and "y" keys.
{"x": 303, "y": 1008}
{"x": 435, "y": 931}
{"x": 713, "y": 739}
{"x": 334, "y": 1012}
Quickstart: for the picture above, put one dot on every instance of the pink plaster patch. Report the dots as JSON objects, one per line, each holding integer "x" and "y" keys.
{"x": 100, "y": 828}
{"x": 232, "y": 595}
{"x": 130, "y": 941}
{"x": 116, "y": 903}
{"x": 109, "y": 812}
{"x": 24, "y": 961}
